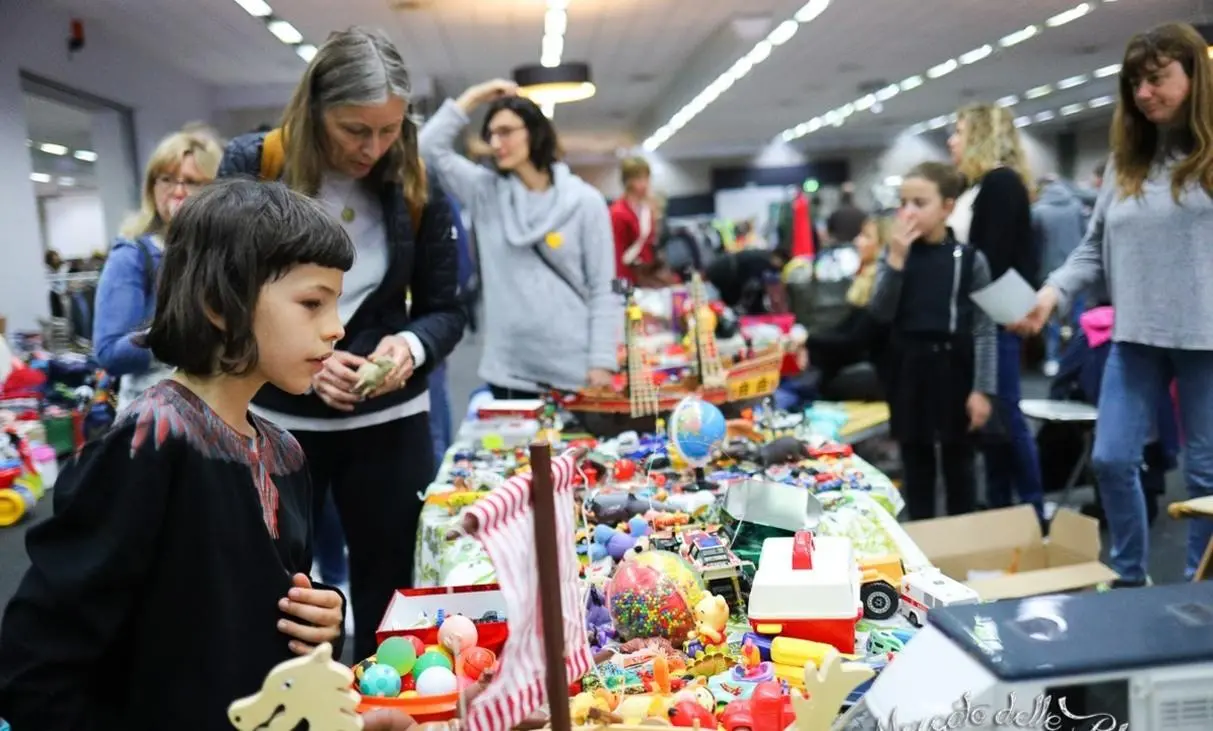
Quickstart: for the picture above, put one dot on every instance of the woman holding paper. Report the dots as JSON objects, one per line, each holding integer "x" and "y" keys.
{"x": 995, "y": 215}
{"x": 1151, "y": 242}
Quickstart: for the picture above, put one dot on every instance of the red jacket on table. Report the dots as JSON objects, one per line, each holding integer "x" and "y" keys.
{"x": 625, "y": 223}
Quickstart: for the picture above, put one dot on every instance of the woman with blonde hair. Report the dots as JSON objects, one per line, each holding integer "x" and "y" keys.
{"x": 126, "y": 294}
{"x": 346, "y": 140}
{"x": 995, "y": 216}
{"x": 1151, "y": 242}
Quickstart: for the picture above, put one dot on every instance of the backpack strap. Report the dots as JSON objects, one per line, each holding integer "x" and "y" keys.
{"x": 273, "y": 159}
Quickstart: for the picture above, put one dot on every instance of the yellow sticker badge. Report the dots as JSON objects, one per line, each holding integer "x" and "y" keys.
{"x": 554, "y": 240}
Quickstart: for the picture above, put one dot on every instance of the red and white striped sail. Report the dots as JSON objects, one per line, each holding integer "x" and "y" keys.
{"x": 507, "y": 532}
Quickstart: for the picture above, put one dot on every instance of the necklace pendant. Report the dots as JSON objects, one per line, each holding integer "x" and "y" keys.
{"x": 347, "y": 214}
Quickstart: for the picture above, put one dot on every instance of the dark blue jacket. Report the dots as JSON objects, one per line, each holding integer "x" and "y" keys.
{"x": 422, "y": 264}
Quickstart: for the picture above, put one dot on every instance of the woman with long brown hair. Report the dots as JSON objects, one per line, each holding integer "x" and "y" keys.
{"x": 995, "y": 216}
{"x": 346, "y": 140}
{"x": 1151, "y": 241}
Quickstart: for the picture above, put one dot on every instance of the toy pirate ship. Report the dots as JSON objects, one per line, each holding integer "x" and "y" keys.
{"x": 649, "y": 391}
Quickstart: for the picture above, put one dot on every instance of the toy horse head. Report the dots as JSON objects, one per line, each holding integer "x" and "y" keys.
{"x": 311, "y": 688}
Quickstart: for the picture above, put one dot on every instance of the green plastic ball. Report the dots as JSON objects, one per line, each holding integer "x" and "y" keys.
{"x": 397, "y": 653}
{"x": 430, "y": 659}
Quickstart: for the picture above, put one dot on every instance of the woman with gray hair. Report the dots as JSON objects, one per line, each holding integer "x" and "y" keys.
{"x": 346, "y": 140}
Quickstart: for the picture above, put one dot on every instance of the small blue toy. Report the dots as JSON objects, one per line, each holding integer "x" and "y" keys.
{"x": 380, "y": 681}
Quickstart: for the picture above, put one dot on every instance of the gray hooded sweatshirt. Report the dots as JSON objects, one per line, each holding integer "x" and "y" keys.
{"x": 547, "y": 261}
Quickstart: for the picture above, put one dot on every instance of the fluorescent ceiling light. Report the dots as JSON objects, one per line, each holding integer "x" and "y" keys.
{"x": 1038, "y": 92}
{"x": 85, "y": 155}
{"x": 555, "y": 22}
{"x": 759, "y": 53}
{"x": 1018, "y": 36}
{"x": 1101, "y": 101}
{"x": 285, "y": 32}
{"x": 811, "y": 10}
{"x": 1044, "y": 116}
{"x": 40, "y": 177}
{"x": 910, "y": 83}
{"x": 1023, "y": 121}
{"x": 67, "y": 182}
{"x": 1104, "y": 72}
{"x": 1070, "y": 15}
{"x": 938, "y": 122}
{"x": 553, "y": 46}
{"x": 976, "y": 55}
{"x": 887, "y": 93}
{"x": 866, "y": 102}
{"x": 255, "y": 8}
{"x": 51, "y": 148}
{"x": 1072, "y": 82}
{"x": 1069, "y": 109}
{"x": 306, "y": 51}
{"x": 1009, "y": 100}
{"x": 942, "y": 69}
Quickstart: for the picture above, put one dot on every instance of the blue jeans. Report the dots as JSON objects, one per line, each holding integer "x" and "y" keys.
{"x": 1012, "y": 466}
{"x": 330, "y": 545}
{"x": 441, "y": 428}
{"x": 1135, "y": 378}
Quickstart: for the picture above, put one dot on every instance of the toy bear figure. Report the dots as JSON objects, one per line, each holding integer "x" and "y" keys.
{"x": 711, "y": 617}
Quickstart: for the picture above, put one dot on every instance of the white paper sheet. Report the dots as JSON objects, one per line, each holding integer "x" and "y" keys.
{"x": 1008, "y": 299}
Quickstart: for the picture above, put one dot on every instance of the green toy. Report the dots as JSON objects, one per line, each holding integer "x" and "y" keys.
{"x": 398, "y": 653}
{"x": 372, "y": 374}
{"x": 429, "y": 659}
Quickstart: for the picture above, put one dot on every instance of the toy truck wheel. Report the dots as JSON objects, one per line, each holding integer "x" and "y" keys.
{"x": 879, "y": 600}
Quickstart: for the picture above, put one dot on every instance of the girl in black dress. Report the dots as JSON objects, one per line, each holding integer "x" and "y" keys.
{"x": 943, "y": 364}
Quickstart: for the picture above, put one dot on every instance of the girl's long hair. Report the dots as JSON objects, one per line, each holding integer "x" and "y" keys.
{"x": 358, "y": 66}
{"x": 1135, "y": 140}
{"x": 991, "y": 141}
{"x": 193, "y": 141}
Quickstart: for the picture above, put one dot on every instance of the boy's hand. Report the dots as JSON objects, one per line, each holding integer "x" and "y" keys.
{"x": 905, "y": 232}
{"x": 320, "y": 610}
{"x": 978, "y": 408}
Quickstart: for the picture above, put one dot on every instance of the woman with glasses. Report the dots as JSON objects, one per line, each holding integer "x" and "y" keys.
{"x": 181, "y": 164}
{"x": 544, "y": 244}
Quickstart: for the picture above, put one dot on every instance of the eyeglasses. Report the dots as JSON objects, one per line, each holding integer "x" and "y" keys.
{"x": 502, "y": 132}
{"x": 170, "y": 183}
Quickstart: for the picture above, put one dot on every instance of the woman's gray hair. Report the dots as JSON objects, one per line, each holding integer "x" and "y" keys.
{"x": 360, "y": 66}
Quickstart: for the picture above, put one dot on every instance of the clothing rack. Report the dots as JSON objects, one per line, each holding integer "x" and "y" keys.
{"x": 60, "y": 282}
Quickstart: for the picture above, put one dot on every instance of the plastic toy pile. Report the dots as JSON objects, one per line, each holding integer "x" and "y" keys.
{"x": 721, "y": 557}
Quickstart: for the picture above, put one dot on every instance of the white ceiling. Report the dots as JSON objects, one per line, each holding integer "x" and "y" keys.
{"x": 650, "y": 57}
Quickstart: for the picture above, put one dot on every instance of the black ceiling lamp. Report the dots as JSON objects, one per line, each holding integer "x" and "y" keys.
{"x": 562, "y": 84}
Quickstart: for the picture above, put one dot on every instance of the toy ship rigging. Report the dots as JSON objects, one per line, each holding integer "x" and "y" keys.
{"x": 648, "y": 389}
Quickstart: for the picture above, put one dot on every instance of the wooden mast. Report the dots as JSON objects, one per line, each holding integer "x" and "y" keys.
{"x": 551, "y": 613}
{"x": 642, "y": 394}
{"x": 711, "y": 375}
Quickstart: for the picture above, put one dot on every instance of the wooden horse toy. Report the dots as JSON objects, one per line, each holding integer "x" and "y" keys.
{"x": 312, "y": 688}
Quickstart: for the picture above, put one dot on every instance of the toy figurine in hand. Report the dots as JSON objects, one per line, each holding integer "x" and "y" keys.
{"x": 372, "y": 374}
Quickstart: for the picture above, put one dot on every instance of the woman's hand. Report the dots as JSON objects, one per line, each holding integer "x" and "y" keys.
{"x": 978, "y": 408}
{"x": 320, "y": 610}
{"x": 600, "y": 378}
{"x": 335, "y": 384}
{"x": 1035, "y": 320}
{"x": 383, "y": 719}
{"x": 905, "y": 232}
{"x": 396, "y": 349}
{"x": 484, "y": 93}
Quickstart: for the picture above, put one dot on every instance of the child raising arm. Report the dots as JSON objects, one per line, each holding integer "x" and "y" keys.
{"x": 942, "y": 364}
{"x": 173, "y": 575}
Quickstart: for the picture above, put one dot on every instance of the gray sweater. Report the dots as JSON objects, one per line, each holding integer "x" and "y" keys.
{"x": 547, "y": 261}
{"x": 1156, "y": 258}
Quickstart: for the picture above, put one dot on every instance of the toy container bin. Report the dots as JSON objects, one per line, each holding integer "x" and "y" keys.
{"x": 807, "y": 587}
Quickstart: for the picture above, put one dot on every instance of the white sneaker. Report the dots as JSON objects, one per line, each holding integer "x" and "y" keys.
{"x": 1050, "y": 368}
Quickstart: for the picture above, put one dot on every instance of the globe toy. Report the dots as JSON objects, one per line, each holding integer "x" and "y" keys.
{"x": 436, "y": 681}
{"x": 474, "y": 661}
{"x": 363, "y": 666}
{"x": 458, "y": 633}
{"x": 430, "y": 659}
{"x": 380, "y": 681}
{"x": 644, "y": 602}
{"x": 696, "y": 429}
{"x": 397, "y": 652}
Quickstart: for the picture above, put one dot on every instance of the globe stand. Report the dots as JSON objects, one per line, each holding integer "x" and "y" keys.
{"x": 701, "y": 482}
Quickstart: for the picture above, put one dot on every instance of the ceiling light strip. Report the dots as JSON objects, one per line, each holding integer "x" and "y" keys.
{"x": 761, "y": 51}
{"x": 281, "y": 29}
{"x": 837, "y": 117}
{"x": 555, "y": 25}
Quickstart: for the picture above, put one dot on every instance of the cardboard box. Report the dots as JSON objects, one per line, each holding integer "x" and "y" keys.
{"x": 1001, "y": 554}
